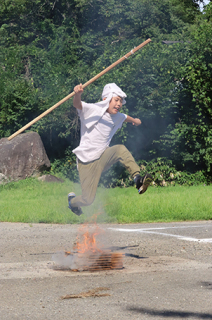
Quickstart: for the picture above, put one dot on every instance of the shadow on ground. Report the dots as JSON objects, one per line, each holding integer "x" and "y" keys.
{"x": 115, "y": 248}
{"x": 206, "y": 284}
{"x": 170, "y": 313}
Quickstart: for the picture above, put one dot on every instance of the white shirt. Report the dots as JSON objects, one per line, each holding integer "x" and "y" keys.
{"x": 96, "y": 138}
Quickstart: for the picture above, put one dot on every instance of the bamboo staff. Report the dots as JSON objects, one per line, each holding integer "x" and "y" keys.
{"x": 84, "y": 85}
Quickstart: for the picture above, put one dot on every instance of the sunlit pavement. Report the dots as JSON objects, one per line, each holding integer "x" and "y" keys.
{"x": 167, "y": 273}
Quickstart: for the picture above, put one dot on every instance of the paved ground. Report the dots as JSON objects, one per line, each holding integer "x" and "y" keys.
{"x": 167, "y": 273}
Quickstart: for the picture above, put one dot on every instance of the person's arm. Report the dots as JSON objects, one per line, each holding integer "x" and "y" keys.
{"x": 77, "y": 103}
{"x": 134, "y": 121}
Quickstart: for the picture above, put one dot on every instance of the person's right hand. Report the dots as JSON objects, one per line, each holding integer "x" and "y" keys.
{"x": 78, "y": 89}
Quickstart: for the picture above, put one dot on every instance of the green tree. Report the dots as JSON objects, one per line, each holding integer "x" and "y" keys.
{"x": 50, "y": 46}
{"x": 39, "y": 43}
{"x": 191, "y": 137}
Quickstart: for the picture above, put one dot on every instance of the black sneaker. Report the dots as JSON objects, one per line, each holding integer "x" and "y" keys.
{"x": 76, "y": 210}
{"x": 142, "y": 183}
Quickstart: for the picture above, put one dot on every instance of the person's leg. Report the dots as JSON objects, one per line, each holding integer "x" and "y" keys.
{"x": 121, "y": 153}
{"x": 89, "y": 174}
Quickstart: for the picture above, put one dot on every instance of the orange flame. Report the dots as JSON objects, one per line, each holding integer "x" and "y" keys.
{"x": 87, "y": 239}
{"x": 90, "y": 252}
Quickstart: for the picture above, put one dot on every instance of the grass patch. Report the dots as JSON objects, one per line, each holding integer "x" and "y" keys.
{"x": 168, "y": 204}
{"x": 33, "y": 201}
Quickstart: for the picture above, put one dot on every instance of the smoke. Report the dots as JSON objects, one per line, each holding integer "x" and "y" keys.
{"x": 75, "y": 261}
{"x": 64, "y": 261}
{"x": 90, "y": 244}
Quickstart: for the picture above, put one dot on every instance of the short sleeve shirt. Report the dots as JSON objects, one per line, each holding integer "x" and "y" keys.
{"x": 97, "y": 138}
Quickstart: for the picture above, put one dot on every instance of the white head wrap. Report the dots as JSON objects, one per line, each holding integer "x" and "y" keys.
{"x": 95, "y": 111}
{"x": 112, "y": 90}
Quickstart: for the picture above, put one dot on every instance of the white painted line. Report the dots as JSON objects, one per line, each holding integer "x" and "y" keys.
{"x": 147, "y": 230}
{"x": 180, "y": 237}
{"x": 164, "y": 228}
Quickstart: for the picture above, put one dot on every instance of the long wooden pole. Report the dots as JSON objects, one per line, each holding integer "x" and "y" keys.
{"x": 73, "y": 93}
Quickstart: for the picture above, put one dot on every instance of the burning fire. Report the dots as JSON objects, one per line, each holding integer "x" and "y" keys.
{"x": 89, "y": 253}
{"x": 87, "y": 239}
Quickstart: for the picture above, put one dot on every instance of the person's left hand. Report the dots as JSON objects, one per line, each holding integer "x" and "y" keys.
{"x": 136, "y": 122}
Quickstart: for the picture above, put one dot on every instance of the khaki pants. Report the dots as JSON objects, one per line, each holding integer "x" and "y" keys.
{"x": 90, "y": 172}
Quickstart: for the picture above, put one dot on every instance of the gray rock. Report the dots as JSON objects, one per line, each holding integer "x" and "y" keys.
{"x": 50, "y": 178}
{"x": 3, "y": 179}
{"x": 23, "y": 156}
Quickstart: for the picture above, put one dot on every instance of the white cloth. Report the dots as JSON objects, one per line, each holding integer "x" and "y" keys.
{"x": 115, "y": 90}
{"x": 97, "y": 129}
{"x": 92, "y": 112}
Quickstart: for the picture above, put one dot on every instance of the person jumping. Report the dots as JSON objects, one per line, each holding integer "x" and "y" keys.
{"x": 99, "y": 123}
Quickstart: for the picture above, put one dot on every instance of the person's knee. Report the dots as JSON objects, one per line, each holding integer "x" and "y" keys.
{"x": 87, "y": 200}
{"x": 122, "y": 150}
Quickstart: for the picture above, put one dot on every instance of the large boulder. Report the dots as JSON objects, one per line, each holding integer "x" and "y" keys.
{"x": 23, "y": 156}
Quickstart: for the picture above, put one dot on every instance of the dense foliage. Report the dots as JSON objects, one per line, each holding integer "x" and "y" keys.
{"x": 47, "y": 47}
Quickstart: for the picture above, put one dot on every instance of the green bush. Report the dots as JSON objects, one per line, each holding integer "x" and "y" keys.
{"x": 162, "y": 170}
{"x": 165, "y": 173}
{"x": 66, "y": 166}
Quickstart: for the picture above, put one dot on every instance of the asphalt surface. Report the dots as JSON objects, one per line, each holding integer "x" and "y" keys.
{"x": 167, "y": 273}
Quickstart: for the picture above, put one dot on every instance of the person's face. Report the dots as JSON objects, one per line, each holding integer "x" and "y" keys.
{"x": 115, "y": 105}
